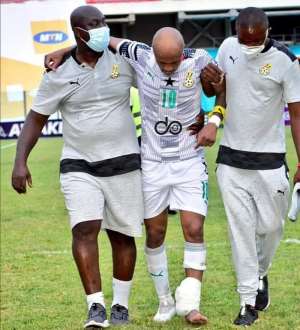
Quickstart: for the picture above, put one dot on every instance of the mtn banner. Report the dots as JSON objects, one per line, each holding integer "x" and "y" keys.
{"x": 48, "y": 36}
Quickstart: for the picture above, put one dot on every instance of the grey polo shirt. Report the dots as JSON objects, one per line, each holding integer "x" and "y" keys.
{"x": 94, "y": 103}
{"x": 257, "y": 88}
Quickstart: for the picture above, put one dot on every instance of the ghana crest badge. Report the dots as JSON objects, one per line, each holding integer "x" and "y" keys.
{"x": 265, "y": 69}
{"x": 115, "y": 73}
{"x": 189, "y": 81}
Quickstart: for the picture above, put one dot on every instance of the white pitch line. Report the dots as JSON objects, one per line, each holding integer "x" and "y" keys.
{"x": 292, "y": 240}
{"x": 8, "y": 145}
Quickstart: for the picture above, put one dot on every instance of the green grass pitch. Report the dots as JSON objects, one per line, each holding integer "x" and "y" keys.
{"x": 40, "y": 286}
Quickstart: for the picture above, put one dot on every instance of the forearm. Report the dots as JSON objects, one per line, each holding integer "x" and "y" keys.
{"x": 221, "y": 99}
{"x": 30, "y": 133}
{"x": 294, "y": 110}
{"x": 114, "y": 42}
{"x": 207, "y": 88}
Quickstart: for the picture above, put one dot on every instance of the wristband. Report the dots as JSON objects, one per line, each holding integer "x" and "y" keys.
{"x": 219, "y": 109}
{"x": 215, "y": 120}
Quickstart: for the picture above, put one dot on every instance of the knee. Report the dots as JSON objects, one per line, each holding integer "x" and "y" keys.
{"x": 194, "y": 233}
{"x": 86, "y": 231}
{"x": 121, "y": 242}
{"x": 155, "y": 236}
{"x": 272, "y": 228}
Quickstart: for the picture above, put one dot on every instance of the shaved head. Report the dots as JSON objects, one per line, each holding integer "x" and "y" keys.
{"x": 168, "y": 41}
{"x": 82, "y": 15}
{"x": 168, "y": 46}
{"x": 252, "y": 26}
{"x": 252, "y": 17}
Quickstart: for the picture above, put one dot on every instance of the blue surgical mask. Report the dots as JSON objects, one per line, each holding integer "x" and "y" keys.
{"x": 99, "y": 38}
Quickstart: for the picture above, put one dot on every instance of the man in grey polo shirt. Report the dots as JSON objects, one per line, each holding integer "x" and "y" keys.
{"x": 100, "y": 161}
{"x": 261, "y": 76}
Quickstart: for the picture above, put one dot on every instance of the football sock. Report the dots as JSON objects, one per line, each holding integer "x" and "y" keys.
{"x": 121, "y": 292}
{"x": 158, "y": 269}
{"x": 96, "y": 297}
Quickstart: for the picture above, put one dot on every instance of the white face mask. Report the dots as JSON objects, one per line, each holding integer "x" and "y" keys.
{"x": 253, "y": 50}
{"x": 99, "y": 38}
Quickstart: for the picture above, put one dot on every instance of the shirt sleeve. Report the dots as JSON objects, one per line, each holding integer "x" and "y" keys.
{"x": 221, "y": 56}
{"x": 291, "y": 83}
{"x": 48, "y": 98}
{"x": 136, "y": 53}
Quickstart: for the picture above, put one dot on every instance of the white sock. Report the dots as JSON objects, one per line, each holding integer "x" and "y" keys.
{"x": 194, "y": 256}
{"x": 158, "y": 269}
{"x": 121, "y": 292}
{"x": 96, "y": 297}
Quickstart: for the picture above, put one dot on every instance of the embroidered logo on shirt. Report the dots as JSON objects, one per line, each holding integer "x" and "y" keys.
{"x": 115, "y": 73}
{"x": 233, "y": 59}
{"x": 189, "y": 81}
{"x": 265, "y": 69}
{"x": 74, "y": 82}
{"x": 150, "y": 75}
{"x": 169, "y": 81}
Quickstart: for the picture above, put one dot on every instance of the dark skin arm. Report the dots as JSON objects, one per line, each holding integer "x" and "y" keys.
{"x": 294, "y": 110}
{"x": 53, "y": 60}
{"x": 211, "y": 76}
{"x": 30, "y": 133}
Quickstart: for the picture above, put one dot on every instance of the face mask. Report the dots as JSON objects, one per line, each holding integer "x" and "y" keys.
{"x": 99, "y": 39}
{"x": 253, "y": 50}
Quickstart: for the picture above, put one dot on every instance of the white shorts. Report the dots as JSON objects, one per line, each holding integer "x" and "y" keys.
{"x": 117, "y": 200}
{"x": 182, "y": 185}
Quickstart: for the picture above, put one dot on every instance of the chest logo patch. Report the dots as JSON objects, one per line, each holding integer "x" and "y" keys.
{"x": 189, "y": 80}
{"x": 115, "y": 73}
{"x": 265, "y": 69}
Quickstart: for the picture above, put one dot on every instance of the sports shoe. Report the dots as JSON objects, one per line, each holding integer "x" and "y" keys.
{"x": 247, "y": 316}
{"x": 262, "y": 301}
{"x": 119, "y": 315}
{"x": 166, "y": 309}
{"x": 96, "y": 317}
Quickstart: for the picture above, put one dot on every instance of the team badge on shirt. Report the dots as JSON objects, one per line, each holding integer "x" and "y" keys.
{"x": 115, "y": 73}
{"x": 265, "y": 69}
{"x": 189, "y": 81}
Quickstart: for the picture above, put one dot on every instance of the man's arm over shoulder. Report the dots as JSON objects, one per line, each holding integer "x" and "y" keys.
{"x": 136, "y": 53}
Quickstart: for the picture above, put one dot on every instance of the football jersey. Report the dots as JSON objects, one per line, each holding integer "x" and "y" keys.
{"x": 169, "y": 104}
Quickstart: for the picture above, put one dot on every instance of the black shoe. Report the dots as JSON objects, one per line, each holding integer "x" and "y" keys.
{"x": 96, "y": 317}
{"x": 247, "y": 316}
{"x": 262, "y": 301}
{"x": 119, "y": 315}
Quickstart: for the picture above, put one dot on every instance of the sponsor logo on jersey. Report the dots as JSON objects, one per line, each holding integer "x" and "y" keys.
{"x": 164, "y": 126}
